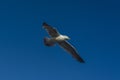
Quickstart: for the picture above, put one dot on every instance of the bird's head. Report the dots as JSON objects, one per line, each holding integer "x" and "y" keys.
{"x": 66, "y": 37}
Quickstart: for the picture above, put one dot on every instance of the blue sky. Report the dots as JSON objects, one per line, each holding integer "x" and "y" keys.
{"x": 92, "y": 25}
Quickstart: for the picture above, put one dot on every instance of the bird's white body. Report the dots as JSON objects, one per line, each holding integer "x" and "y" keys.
{"x": 53, "y": 40}
{"x": 61, "y": 38}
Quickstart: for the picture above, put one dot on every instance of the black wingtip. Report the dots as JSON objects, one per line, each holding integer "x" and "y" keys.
{"x": 81, "y": 60}
{"x": 45, "y": 24}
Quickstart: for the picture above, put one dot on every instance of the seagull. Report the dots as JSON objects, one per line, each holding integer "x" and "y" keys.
{"x": 61, "y": 40}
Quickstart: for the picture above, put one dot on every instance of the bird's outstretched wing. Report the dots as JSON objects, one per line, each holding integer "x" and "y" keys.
{"x": 71, "y": 50}
{"x": 51, "y": 31}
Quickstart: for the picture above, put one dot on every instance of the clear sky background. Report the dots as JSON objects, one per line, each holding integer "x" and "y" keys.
{"x": 92, "y": 25}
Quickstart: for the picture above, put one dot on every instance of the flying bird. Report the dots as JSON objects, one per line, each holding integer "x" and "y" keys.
{"x": 56, "y": 37}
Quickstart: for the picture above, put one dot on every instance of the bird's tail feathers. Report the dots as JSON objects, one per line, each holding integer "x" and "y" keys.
{"x": 48, "y": 42}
